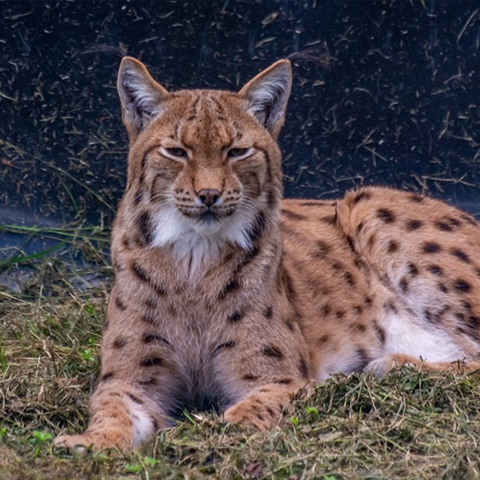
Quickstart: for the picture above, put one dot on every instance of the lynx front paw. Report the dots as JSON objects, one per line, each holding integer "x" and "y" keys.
{"x": 257, "y": 410}
{"x": 114, "y": 438}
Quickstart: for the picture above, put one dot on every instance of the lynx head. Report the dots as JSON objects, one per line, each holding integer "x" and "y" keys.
{"x": 204, "y": 165}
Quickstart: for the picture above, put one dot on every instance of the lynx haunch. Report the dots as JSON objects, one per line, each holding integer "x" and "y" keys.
{"x": 228, "y": 297}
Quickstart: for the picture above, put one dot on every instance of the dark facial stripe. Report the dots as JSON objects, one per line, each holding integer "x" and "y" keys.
{"x": 258, "y": 227}
{"x": 268, "y": 161}
{"x": 144, "y": 225}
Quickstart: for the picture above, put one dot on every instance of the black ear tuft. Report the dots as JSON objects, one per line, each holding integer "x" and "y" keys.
{"x": 267, "y": 95}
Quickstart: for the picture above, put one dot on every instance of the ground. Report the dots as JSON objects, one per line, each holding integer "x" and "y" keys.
{"x": 406, "y": 425}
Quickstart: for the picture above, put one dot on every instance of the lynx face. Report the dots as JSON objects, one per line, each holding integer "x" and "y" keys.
{"x": 205, "y": 162}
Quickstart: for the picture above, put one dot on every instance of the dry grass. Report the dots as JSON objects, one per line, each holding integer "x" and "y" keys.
{"x": 407, "y": 425}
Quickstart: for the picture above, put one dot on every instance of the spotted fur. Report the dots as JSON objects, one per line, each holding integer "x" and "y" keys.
{"x": 238, "y": 304}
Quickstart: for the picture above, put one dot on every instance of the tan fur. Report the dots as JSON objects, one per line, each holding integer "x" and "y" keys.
{"x": 316, "y": 288}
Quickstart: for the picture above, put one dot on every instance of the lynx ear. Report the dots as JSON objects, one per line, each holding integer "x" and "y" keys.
{"x": 141, "y": 96}
{"x": 267, "y": 95}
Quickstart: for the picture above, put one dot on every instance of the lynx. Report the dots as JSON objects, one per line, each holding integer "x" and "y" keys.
{"x": 228, "y": 297}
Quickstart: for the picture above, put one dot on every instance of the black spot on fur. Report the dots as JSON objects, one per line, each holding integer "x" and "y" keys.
{"x": 150, "y": 362}
{"x": 134, "y": 398}
{"x": 249, "y": 377}
{"x": 385, "y": 215}
{"x": 145, "y": 228}
{"x": 340, "y": 314}
{"x": 289, "y": 288}
{"x": 272, "y": 351}
{"x": 389, "y": 306}
{"x": 322, "y": 249}
{"x": 105, "y": 325}
{"x": 303, "y": 368}
{"x": 236, "y": 316}
{"x": 403, "y": 284}
{"x": 222, "y": 346}
{"x": 414, "y": 225}
{"x": 416, "y": 198}
{"x": 154, "y": 337}
{"x": 120, "y": 343}
{"x": 368, "y": 301}
{"x": 380, "y": 332}
{"x": 443, "y": 288}
{"x": 435, "y": 269}
{"x": 349, "y": 279}
{"x": 359, "y": 227}
{"x": 268, "y": 313}
{"x": 289, "y": 325}
{"x": 431, "y": 247}
{"x": 143, "y": 276}
{"x": 229, "y": 287}
{"x": 107, "y": 376}
{"x": 323, "y": 340}
{"x": 351, "y": 243}
{"x": 412, "y": 269}
{"x": 149, "y": 318}
{"x": 460, "y": 254}
{"x": 119, "y": 304}
{"x": 462, "y": 285}
{"x": 443, "y": 226}
{"x": 326, "y": 310}
{"x": 148, "y": 382}
{"x": 284, "y": 381}
{"x": 453, "y": 221}
{"x": 362, "y": 195}
{"x": 257, "y": 228}
{"x": 358, "y": 309}
{"x": 292, "y": 215}
{"x": 467, "y": 305}
{"x": 392, "y": 246}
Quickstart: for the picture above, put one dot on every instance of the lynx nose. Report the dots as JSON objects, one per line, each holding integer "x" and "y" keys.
{"x": 208, "y": 196}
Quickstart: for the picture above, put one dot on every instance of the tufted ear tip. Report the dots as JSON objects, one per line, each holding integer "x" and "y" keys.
{"x": 267, "y": 95}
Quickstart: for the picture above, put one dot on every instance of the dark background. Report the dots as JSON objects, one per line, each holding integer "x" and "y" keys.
{"x": 398, "y": 106}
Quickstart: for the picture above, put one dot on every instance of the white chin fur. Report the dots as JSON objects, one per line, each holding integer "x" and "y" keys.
{"x": 197, "y": 243}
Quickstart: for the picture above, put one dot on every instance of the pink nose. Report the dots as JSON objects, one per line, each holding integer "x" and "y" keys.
{"x": 208, "y": 196}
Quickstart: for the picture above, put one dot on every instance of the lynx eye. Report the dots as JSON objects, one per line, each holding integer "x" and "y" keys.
{"x": 175, "y": 152}
{"x": 239, "y": 153}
